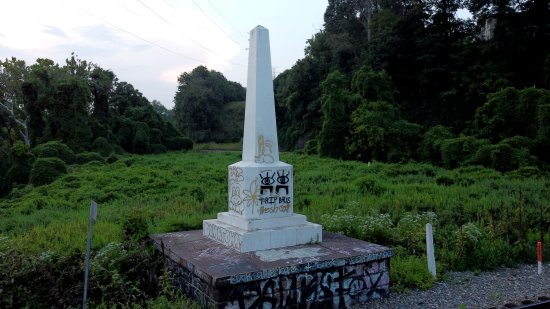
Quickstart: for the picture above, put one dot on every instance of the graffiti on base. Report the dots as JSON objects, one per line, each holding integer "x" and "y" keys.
{"x": 335, "y": 288}
{"x": 222, "y": 235}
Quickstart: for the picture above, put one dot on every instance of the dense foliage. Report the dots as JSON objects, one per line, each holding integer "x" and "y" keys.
{"x": 202, "y": 103}
{"x": 482, "y": 219}
{"x": 48, "y": 110}
{"x": 396, "y": 81}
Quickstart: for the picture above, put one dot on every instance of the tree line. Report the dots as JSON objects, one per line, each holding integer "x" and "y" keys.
{"x": 52, "y": 115}
{"x": 395, "y": 81}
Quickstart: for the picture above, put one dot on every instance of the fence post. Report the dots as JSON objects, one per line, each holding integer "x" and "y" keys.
{"x": 93, "y": 216}
{"x": 430, "y": 250}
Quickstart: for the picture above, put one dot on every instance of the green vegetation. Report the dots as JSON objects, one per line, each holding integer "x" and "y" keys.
{"x": 482, "y": 218}
{"x": 392, "y": 83}
{"x": 77, "y": 112}
{"x": 383, "y": 77}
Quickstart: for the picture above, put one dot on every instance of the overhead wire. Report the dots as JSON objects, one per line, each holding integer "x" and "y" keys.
{"x": 186, "y": 36}
{"x": 216, "y": 24}
{"x": 133, "y": 34}
{"x": 226, "y": 20}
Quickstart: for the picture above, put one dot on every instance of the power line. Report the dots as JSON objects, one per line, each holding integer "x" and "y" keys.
{"x": 135, "y": 35}
{"x": 216, "y": 24}
{"x": 226, "y": 20}
{"x": 172, "y": 25}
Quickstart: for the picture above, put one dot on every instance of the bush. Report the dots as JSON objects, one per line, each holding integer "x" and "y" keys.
{"x": 178, "y": 143}
{"x": 410, "y": 272}
{"x": 134, "y": 226}
{"x": 112, "y": 158}
{"x": 457, "y": 151}
{"x": 46, "y": 170}
{"x": 311, "y": 147}
{"x": 369, "y": 185}
{"x": 102, "y": 146}
{"x": 85, "y": 157}
{"x": 55, "y": 149}
{"x": 431, "y": 144}
{"x": 502, "y": 157}
{"x": 158, "y": 148}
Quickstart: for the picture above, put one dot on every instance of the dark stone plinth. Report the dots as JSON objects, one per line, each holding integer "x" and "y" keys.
{"x": 336, "y": 273}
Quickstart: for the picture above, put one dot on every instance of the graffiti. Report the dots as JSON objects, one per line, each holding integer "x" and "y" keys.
{"x": 222, "y": 235}
{"x": 335, "y": 288}
{"x": 283, "y": 180}
{"x": 332, "y": 283}
{"x": 235, "y": 174}
{"x": 251, "y": 195}
{"x": 265, "y": 151}
{"x": 275, "y": 209}
{"x": 267, "y": 182}
{"x": 235, "y": 201}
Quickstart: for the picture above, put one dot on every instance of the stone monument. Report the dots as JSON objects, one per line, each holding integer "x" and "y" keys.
{"x": 260, "y": 192}
{"x": 259, "y": 254}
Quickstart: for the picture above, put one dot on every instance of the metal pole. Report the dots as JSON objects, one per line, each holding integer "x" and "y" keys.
{"x": 93, "y": 216}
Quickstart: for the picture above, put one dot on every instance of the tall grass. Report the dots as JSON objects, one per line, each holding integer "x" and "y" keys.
{"x": 475, "y": 210}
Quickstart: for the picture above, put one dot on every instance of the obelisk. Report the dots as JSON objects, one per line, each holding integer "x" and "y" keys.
{"x": 260, "y": 212}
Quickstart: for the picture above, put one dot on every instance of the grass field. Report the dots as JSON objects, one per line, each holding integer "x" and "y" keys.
{"x": 482, "y": 218}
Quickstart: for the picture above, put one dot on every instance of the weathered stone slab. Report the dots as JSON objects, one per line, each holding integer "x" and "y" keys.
{"x": 261, "y": 239}
{"x": 336, "y": 273}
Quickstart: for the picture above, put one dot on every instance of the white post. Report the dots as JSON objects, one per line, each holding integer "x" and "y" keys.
{"x": 430, "y": 249}
{"x": 539, "y": 257}
{"x": 93, "y": 217}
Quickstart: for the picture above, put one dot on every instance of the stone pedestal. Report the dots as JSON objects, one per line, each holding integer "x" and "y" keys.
{"x": 337, "y": 273}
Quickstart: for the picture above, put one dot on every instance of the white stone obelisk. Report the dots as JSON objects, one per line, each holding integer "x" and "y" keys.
{"x": 260, "y": 215}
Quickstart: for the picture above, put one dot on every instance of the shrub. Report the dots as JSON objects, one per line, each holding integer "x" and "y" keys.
{"x": 158, "y": 148}
{"x": 102, "y": 146}
{"x": 431, "y": 144}
{"x": 85, "y": 157}
{"x": 457, "y": 151}
{"x": 410, "y": 272}
{"x": 501, "y": 157}
{"x": 411, "y": 230}
{"x": 178, "y": 143}
{"x": 376, "y": 228}
{"x": 444, "y": 180}
{"x": 311, "y": 147}
{"x": 369, "y": 185}
{"x": 46, "y": 170}
{"x": 112, "y": 158}
{"x": 134, "y": 226}
{"x": 55, "y": 149}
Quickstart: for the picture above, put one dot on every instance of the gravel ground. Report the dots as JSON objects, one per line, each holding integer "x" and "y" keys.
{"x": 503, "y": 288}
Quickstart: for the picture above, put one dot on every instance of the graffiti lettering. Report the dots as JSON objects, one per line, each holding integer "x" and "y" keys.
{"x": 275, "y": 209}
{"x": 226, "y": 237}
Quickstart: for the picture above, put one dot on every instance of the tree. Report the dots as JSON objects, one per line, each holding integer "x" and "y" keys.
{"x": 13, "y": 72}
{"x": 336, "y": 103}
{"x": 199, "y": 100}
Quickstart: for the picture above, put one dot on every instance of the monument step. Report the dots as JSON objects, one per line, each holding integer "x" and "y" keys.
{"x": 258, "y": 224}
{"x": 246, "y": 241}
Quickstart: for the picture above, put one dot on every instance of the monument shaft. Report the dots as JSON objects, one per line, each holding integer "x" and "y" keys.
{"x": 260, "y": 187}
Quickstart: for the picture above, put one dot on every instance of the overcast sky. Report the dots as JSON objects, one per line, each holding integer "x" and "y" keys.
{"x": 149, "y": 43}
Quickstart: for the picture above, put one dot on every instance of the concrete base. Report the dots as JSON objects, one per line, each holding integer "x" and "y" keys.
{"x": 337, "y": 273}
